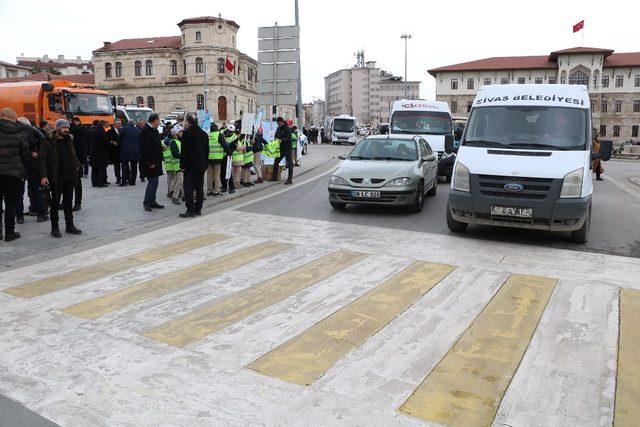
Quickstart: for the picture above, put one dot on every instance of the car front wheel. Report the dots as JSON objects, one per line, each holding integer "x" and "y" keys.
{"x": 418, "y": 202}
{"x": 582, "y": 235}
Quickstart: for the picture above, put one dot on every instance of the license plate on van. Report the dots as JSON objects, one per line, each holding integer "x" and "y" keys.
{"x": 510, "y": 211}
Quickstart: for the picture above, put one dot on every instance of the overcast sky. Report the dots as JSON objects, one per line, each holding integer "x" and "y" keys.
{"x": 332, "y": 31}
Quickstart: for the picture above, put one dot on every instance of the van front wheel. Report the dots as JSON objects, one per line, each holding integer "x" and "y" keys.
{"x": 582, "y": 235}
{"x": 455, "y": 226}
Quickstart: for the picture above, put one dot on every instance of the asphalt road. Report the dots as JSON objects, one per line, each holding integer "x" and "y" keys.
{"x": 614, "y": 228}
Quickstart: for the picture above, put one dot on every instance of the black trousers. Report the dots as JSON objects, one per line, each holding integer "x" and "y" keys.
{"x": 227, "y": 184}
{"x": 276, "y": 164}
{"x": 9, "y": 191}
{"x": 77, "y": 190}
{"x": 63, "y": 189}
{"x": 116, "y": 171}
{"x": 194, "y": 181}
{"x": 129, "y": 172}
{"x": 98, "y": 175}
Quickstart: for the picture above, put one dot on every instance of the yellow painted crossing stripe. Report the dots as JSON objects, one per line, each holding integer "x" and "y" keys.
{"x": 306, "y": 357}
{"x": 104, "y": 269}
{"x": 175, "y": 281}
{"x": 627, "y": 412}
{"x": 194, "y": 326}
{"x": 467, "y": 385}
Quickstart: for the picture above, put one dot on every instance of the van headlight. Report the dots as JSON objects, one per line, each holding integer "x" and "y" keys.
{"x": 336, "y": 180}
{"x": 461, "y": 178}
{"x": 399, "y": 182}
{"x": 572, "y": 184}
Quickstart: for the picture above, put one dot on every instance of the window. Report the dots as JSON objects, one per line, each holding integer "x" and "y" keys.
{"x": 120, "y": 100}
{"x": 118, "y": 69}
{"x": 184, "y": 66}
{"x": 619, "y": 81}
{"x": 579, "y": 78}
{"x": 487, "y": 81}
{"x": 454, "y": 84}
{"x": 521, "y": 80}
{"x": 148, "y": 67}
{"x": 563, "y": 80}
{"x": 504, "y": 80}
{"x": 137, "y": 66}
{"x": 636, "y": 80}
{"x": 107, "y": 70}
{"x": 603, "y": 130}
{"x": 616, "y": 130}
{"x": 552, "y": 80}
{"x": 470, "y": 83}
{"x": 139, "y": 101}
{"x": 538, "y": 80}
{"x": 454, "y": 106}
{"x": 151, "y": 103}
{"x": 198, "y": 36}
{"x": 469, "y": 104}
{"x": 220, "y": 63}
{"x": 603, "y": 106}
{"x": 173, "y": 66}
{"x": 618, "y": 106}
{"x": 605, "y": 81}
{"x": 595, "y": 81}
{"x": 592, "y": 105}
{"x": 199, "y": 66}
{"x": 636, "y": 105}
{"x": 183, "y": 39}
{"x": 634, "y": 131}
{"x": 200, "y": 101}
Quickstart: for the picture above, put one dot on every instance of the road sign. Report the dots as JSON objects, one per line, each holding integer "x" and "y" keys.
{"x": 282, "y": 56}
{"x": 279, "y": 72}
{"x": 278, "y": 65}
{"x": 281, "y": 87}
{"x": 284, "y": 32}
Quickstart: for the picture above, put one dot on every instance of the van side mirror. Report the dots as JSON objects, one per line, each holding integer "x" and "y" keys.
{"x": 606, "y": 149}
{"x": 430, "y": 158}
{"x": 448, "y": 144}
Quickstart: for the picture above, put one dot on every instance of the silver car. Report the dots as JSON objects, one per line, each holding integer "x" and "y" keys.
{"x": 396, "y": 170}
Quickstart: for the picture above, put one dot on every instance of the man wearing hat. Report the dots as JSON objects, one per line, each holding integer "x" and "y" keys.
{"x": 59, "y": 169}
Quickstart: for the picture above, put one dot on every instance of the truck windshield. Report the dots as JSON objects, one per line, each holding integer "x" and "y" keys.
{"x": 344, "y": 125}
{"x": 135, "y": 114}
{"x": 528, "y": 127}
{"x": 421, "y": 122}
{"x": 88, "y": 104}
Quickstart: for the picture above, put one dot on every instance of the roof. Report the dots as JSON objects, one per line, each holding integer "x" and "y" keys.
{"x": 89, "y": 79}
{"x": 171, "y": 42}
{"x": 207, "y": 20}
{"x": 8, "y": 64}
{"x": 53, "y": 64}
{"x": 576, "y": 50}
{"x": 627, "y": 59}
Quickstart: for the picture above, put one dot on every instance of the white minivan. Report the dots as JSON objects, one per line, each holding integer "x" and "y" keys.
{"x": 344, "y": 128}
{"x": 524, "y": 160}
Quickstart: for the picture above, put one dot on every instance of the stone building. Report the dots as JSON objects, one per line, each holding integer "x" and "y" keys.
{"x": 613, "y": 80}
{"x": 66, "y": 66}
{"x": 186, "y": 72}
{"x": 8, "y": 70}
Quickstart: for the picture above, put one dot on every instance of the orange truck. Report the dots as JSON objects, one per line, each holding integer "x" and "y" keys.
{"x": 56, "y": 99}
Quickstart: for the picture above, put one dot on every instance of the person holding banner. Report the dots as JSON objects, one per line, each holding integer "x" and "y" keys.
{"x": 258, "y": 145}
{"x": 214, "y": 164}
{"x": 283, "y": 133}
{"x": 248, "y": 162}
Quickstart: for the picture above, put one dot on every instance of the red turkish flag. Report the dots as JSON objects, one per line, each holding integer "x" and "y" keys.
{"x": 578, "y": 26}
{"x": 229, "y": 64}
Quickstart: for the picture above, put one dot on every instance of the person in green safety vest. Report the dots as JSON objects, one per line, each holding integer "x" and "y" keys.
{"x": 245, "y": 180}
{"x": 258, "y": 146}
{"x": 214, "y": 164}
{"x": 172, "y": 165}
{"x": 294, "y": 145}
{"x": 237, "y": 158}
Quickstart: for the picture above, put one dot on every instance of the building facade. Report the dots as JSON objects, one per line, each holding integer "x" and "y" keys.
{"x": 66, "y": 67}
{"x": 319, "y": 112}
{"x": 365, "y": 92}
{"x": 613, "y": 80}
{"x": 9, "y": 71}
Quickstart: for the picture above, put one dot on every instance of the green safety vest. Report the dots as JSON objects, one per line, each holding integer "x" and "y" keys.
{"x": 272, "y": 149}
{"x": 216, "y": 152}
{"x": 171, "y": 164}
{"x": 294, "y": 140}
{"x": 238, "y": 155}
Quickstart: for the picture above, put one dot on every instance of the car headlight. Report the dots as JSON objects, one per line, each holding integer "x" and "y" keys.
{"x": 399, "y": 182}
{"x": 336, "y": 180}
{"x": 461, "y": 178}
{"x": 572, "y": 184}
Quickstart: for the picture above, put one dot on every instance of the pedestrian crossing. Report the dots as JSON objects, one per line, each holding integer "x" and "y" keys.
{"x": 468, "y": 384}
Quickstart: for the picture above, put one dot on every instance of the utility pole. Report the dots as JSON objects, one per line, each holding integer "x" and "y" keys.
{"x": 299, "y": 103}
{"x": 405, "y": 37}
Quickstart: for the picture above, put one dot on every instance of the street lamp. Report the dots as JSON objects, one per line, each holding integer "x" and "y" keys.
{"x": 405, "y": 37}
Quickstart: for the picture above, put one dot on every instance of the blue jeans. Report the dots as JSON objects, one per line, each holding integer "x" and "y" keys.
{"x": 150, "y": 193}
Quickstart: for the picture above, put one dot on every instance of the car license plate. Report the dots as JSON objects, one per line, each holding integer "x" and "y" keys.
{"x": 365, "y": 194}
{"x": 514, "y": 212}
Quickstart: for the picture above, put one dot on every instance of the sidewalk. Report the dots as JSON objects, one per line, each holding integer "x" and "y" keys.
{"x": 114, "y": 210}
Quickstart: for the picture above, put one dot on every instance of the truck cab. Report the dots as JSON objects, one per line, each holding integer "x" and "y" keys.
{"x": 524, "y": 160}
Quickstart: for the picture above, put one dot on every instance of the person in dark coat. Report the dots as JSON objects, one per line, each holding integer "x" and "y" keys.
{"x": 80, "y": 140}
{"x": 34, "y": 139}
{"x": 193, "y": 162}
{"x": 15, "y": 158}
{"x": 129, "y": 153}
{"x": 113, "y": 136}
{"x": 151, "y": 160}
{"x": 283, "y": 133}
{"x": 60, "y": 170}
{"x": 99, "y": 155}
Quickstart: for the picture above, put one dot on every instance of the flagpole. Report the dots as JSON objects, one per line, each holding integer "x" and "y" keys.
{"x": 583, "y": 34}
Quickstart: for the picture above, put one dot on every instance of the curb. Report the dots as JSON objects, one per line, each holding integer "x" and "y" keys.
{"x": 635, "y": 180}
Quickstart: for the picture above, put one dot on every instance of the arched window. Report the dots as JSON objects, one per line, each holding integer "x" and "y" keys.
{"x": 222, "y": 109}
{"x": 151, "y": 103}
{"x": 579, "y": 78}
{"x": 200, "y": 101}
{"x": 198, "y": 36}
{"x": 137, "y": 66}
{"x": 199, "y": 66}
{"x": 107, "y": 70}
{"x": 139, "y": 101}
{"x": 173, "y": 66}
{"x": 118, "y": 69}
{"x": 120, "y": 100}
{"x": 220, "y": 63}
{"x": 148, "y": 67}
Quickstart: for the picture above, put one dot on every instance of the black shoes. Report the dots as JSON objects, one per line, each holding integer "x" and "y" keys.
{"x": 10, "y": 237}
{"x": 216, "y": 194}
{"x": 77, "y": 207}
{"x": 147, "y": 208}
{"x": 124, "y": 184}
{"x": 20, "y": 219}
{"x": 288, "y": 182}
{"x": 187, "y": 215}
{"x": 42, "y": 218}
{"x": 198, "y": 213}
{"x": 155, "y": 205}
{"x": 56, "y": 233}
{"x": 232, "y": 191}
{"x": 73, "y": 230}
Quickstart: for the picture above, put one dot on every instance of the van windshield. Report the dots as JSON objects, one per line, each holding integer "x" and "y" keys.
{"x": 528, "y": 127}
{"x": 344, "y": 125}
{"x": 421, "y": 122}
{"x": 135, "y": 114}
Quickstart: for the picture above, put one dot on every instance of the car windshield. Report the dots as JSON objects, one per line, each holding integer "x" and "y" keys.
{"x": 421, "y": 122}
{"x": 528, "y": 127}
{"x": 385, "y": 149}
{"x": 88, "y": 103}
{"x": 135, "y": 114}
{"x": 344, "y": 125}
